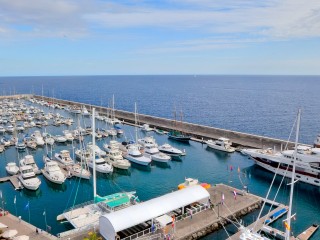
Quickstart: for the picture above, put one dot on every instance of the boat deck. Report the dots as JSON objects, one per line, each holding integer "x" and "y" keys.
{"x": 260, "y": 222}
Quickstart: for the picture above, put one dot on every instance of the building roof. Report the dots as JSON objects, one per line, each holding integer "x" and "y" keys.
{"x": 117, "y": 221}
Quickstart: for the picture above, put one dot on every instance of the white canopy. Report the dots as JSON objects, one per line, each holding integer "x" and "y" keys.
{"x": 117, "y": 221}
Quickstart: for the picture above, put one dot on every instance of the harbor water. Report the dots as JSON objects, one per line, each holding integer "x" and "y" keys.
{"x": 254, "y": 104}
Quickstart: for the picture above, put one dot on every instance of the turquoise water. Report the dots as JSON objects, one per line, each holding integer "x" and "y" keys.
{"x": 262, "y": 105}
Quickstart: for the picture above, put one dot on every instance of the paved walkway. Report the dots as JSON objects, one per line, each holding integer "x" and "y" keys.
{"x": 25, "y": 228}
{"x": 201, "y": 220}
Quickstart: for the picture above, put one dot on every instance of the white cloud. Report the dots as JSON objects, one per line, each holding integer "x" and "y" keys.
{"x": 273, "y": 19}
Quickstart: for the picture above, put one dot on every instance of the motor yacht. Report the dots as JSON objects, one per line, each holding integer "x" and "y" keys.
{"x": 28, "y": 178}
{"x": 134, "y": 155}
{"x": 20, "y": 145}
{"x": 20, "y": 128}
{"x": 52, "y": 172}
{"x": 38, "y": 138}
{"x": 12, "y": 168}
{"x": 222, "y": 144}
{"x": 68, "y": 135}
{"x": 307, "y": 163}
{"x": 64, "y": 158}
{"x": 2, "y": 129}
{"x": 151, "y": 150}
{"x": 114, "y": 157}
{"x": 28, "y": 160}
{"x": 101, "y": 165}
{"x": 113, "y": 144}
{"x": 146, "y": 128}
{"x": 59, "y": 139}
{"x": 10, "y": 129}
{"x": 83, "y": 154}
{"x": 97, "y": 150}
{"x": 168, "y": 149}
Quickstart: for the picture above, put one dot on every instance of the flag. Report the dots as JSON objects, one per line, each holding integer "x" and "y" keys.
{"x": 27, "y": 206}
{"x": 15, "y": 200}
{"x": 222, "y": 198}
{"x": 44, "y": 213}
{"x": 286, "y": 225}
{"x": 231, "y": 168}
{"x": 238, "y": 169}
{"x": 235, "y": 194}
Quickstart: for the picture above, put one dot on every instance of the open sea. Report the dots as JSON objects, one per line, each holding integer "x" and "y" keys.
{"x": 263, "y": 105}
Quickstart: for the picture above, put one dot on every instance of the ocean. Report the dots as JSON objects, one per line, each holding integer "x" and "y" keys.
{"x": 263, "y": 105}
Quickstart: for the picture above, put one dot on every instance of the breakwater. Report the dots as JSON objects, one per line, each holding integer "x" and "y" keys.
{"x": 198, "y": 132}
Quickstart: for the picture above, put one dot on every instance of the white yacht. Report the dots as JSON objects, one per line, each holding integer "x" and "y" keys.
{"x": 10, "y": 129}
{"x": 2, "y": 129}
{"x": 151, "y": 150}
{"x": 59, "y": 139}
{"x": 28, "y": 160}
{"x": 52, "y": 172}
{"x": 38, "y": 138}
{"x": 20, "y": 127}
{"x": 113, "y": 144}
{"x": 134, "y": 155}
{"x": 78, "y": 171}
{"x": 68, "y": 135}
{"x": 28, "y": 178}
{"x": 20, "y": 145}
{"x": 222, "y": 144}
{"x": 64, "y": 158}
{"x": 84, "y": 111}
{"x": 145, "y": 127}
{"x": 168, "y": 149}
{"x": 307, "y": 163}
{"x": 101, "y": 165}
{"x": 75, "y": 109}
{"x": 97, "y": 150}
{"x": 12, "y": 168}
{"x": 83, "y": 154}
{"x": 114, "y": 157}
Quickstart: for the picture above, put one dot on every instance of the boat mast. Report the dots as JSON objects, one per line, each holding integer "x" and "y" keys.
{"x": 94, "y": 156}
{"x": 113, "y": 114}
{"x": 288, "y": 228}
{"x": 135, "y": 121}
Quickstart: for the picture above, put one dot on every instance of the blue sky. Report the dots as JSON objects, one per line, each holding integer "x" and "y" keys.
{"x": 81, "y": 37}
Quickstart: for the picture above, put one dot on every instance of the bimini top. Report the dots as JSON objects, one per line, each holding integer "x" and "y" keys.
{"x": 117, "y": 221}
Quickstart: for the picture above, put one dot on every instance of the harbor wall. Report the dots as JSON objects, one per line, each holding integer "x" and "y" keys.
{"x": 198, "y": 132}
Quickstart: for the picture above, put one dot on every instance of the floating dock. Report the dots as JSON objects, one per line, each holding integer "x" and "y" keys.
{"x": 308, "y": 233}
{"x": 14, "y": 181}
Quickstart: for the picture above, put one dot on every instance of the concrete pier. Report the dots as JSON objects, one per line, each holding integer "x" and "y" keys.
{"x": 198, "y": 132}
{"x": 25, "y": 228}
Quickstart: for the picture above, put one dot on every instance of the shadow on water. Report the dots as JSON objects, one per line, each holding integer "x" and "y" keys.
{"x": 219, "y": 154}
{"x": 32, "y": 194}
{"x": 161, "y": 164}
{"x": 124, "y": 172}
{"x": 56, "y": 187}
{"x": 141, "y": 167}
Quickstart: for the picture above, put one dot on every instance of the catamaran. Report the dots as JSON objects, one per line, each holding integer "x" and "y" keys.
{"x": 86, "y": 216}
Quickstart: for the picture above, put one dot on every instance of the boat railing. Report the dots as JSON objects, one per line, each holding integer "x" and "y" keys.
{"x": 142, "y": 234}
{"x": 78, "y": 206}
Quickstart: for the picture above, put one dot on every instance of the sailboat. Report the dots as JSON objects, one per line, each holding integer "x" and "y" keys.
{"x": 86, "y": 215}
{"x": 178, "y": 135}
{"x": 249, "y": 234}
{"x": 133, "y": 150}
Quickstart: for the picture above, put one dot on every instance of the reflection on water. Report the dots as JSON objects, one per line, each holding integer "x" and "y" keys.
{"x": 161, "y": 164}
{"x": 56, "y": 187}
{"x": 31, "y": 194}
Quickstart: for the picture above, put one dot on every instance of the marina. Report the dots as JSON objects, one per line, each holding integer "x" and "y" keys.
{"x": 204, "y": 222}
